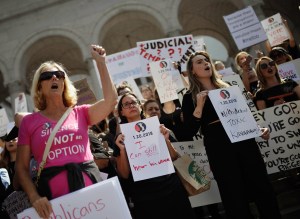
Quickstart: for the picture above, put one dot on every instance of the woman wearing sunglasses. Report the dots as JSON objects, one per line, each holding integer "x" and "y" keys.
{"x": 69, "y": 164}
{"x": 273, "y": 89}
{"x": 160, "y": 197}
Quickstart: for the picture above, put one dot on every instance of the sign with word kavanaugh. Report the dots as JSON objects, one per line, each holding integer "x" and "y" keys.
{"x": 282, "y": 151}
{"x": 146, "y": 149}
{"x": 234, "y": 113}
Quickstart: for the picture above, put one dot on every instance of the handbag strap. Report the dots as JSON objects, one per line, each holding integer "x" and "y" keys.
{"x": 50, "y": 140}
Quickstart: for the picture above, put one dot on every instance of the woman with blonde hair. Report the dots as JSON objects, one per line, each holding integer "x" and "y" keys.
{"x": 273, "y": 89}
{"x": 237, "y": 175}
{"x": 69, "y": 164}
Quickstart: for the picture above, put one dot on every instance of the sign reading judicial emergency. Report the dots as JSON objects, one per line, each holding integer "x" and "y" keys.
{"x": 234, "y": 113}
{"x": 146, "y": 149}
{"x": 178, "y": 49}
{"x": 282, "y": 151}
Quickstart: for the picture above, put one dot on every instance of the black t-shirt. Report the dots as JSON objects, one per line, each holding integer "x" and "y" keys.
{"x": 281, "y": 91}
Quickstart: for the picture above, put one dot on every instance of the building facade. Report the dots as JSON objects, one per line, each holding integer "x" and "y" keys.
{"x": 34, "y": 31}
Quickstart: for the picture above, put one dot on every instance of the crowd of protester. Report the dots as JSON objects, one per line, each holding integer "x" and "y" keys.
{"x": 104, "y": 150}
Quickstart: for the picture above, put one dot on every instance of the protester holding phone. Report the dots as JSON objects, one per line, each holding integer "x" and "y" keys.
{"x": 238, "y": 167}
{"x": 243, "y": 64}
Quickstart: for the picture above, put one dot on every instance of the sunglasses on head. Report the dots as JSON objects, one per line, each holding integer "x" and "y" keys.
{"x": 49, "y": 74}
{"x": 265, "y": 65}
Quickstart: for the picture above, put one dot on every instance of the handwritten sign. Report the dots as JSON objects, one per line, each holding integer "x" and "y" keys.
{"x": 178, "y": 49}
{"x": 236, "y": 80}
{"x": 162, "y": 73}
{"x": 290, "y": 70}
{"x": 245, "y": 28}
{"x": 275, "y": 29}
{"x": 282, "y": 151}
{"x": 85, "y": 94}
{"x": 234, "y": 113}
{"x": 96, "y": 201}
{"x": 3, "y": 122}
{"x": 21, "y": 103}
{"x": 123, "y": 65}
{"x": 146, "y": 149}
{"x": 196, "y": 150}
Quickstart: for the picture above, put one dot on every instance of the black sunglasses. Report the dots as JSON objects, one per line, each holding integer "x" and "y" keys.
{"x": 49, "y": 74}
{"x": 265, "y": 65}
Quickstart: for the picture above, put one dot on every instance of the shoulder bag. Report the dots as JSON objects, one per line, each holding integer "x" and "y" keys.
{"x": 18, "y": 201}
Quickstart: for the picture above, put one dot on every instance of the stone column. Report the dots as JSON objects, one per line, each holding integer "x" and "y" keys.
{"x": 95, "y": 78}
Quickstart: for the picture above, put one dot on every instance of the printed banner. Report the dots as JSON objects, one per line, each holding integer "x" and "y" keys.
{"x": 146, "y": 149}
{"x": 178, "y": 49}
{"x": 196, "y": 150}
{"x": 234, "y": 113}
{"x": 282, "y": 151}
{"x": 245, "y": 28}
{"x": 275, "y": 30}
{"x": 123, "y": 65}
{"x": 166, "y": 85}
{"x": 96, "y": 201}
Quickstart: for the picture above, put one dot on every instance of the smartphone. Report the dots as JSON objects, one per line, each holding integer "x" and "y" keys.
{"x": 248, "y": 59}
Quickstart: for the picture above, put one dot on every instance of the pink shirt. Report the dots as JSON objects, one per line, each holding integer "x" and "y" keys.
{"x": 70, "y": 144}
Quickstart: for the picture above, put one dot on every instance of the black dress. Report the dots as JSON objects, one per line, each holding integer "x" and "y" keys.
{"x": 282, "y": 91}
{"x": 238, "y": 167}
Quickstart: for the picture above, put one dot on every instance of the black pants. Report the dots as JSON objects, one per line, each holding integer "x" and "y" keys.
{"x": 241, "y": 175}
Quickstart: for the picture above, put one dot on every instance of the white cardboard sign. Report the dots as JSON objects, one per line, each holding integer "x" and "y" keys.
{"x": 96, "y": 201}
{"x": 234, "y": 113}
{"x": 146, "y": 149}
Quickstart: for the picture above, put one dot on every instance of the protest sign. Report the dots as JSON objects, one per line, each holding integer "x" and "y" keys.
{"x": 135, "y": 89}
{"x": 166, "y": 85}
{"x": 275, "y": 30}
{"x": 178, "y": 49}
{"x": 123, "y": 65}
{"x": 290, "y": 70}
{"x": 85, "y": 94}
{"x": 245, "y": 28}
{"x": 199, "y": 44}
{"x": 146, "y": 149}
{"x": 196, "y": 150}
{"x": 21, "y": 103}
{"x": 282, "y": 151}
{"x": 3, "y": 122}
{"x": 236, "y": 80}
{"x": 234, "y": 113}
{"x": 101, "y": 200}
{"x": 226, "y": 72}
